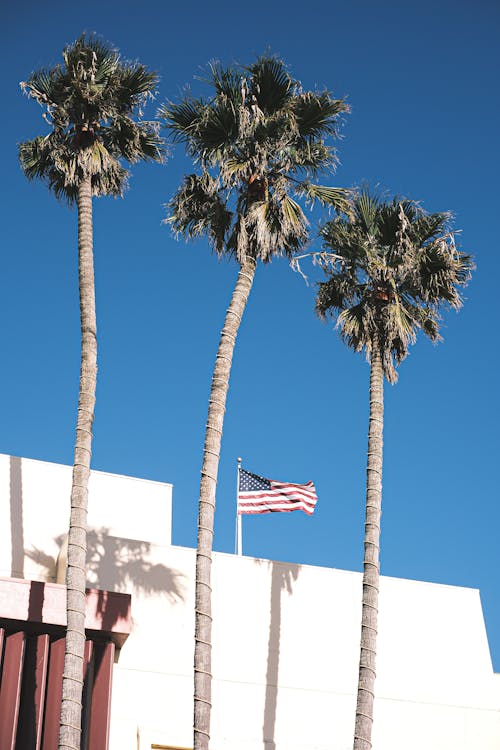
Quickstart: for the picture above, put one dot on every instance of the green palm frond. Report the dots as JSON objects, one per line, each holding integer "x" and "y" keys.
{"x": 338, "y": 235}
{"x": 88, "y": 51}
{"x": 271, "y": 83}
{"x": 218, "y": 128}
{"x": 429, "y": 226}
{"x": 317, "y": 114}
{"x": 312, "y": 158}
{"x": 428, "y": 321}
{"x": 182, "y": 119}
{"x": 400, "y": 322}
{"x": 393, "y": 223}
{"x": 43, "y": 86}
{"x": 134, "y": 141}
{"x": 33, "y": 157}
{"x": 275, "y": 227}
{"x": 340, "y": 291}
{"x": 338, "y": 198}
{"x": 356, "y": 324}
{"x": 226, "y": 82}
{"x": 109, "y": 65}
{"x": 440, "y": 270}
{"x": 234, "y": 169}
{"x": 425, "y": 318}
{"x": 293, "y": 216}
{"x": 136, "y": 83}
{"x": 366, "y": 208}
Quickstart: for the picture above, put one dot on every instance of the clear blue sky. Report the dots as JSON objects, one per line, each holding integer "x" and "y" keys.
{"x": 422, "y": 82}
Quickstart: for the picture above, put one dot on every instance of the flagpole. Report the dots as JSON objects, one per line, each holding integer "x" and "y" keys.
{"x": 239, "y": 547}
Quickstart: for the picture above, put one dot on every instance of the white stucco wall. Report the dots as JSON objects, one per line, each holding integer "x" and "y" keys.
{"x": 34, "y": 516}
{"x": 285, "y": 640}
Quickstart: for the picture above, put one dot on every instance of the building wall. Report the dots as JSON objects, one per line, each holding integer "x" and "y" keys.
{"x": 285, "y": 640}
{"x": 34, "y": 518}
{"x": 285, "y": 662}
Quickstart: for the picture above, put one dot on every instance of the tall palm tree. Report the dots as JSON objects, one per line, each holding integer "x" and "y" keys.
{"x": 258, "y": 140}
{"x": 91, "y": 104}
{"x": 393, "y": 266}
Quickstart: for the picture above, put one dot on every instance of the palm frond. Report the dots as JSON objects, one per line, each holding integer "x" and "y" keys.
{"x": 356, "y": 325}
{"x": 217, "y": 129}
{"x": 273, "y": 229}
{"x": 132, "y": 140}
{"x": 136, "y": 82}
{"x": 394, "y": 221}
{"x": 225, "y": 81}
{"x": 441, "y": 271}
{"x": 43, "y": 86}
{"x": 338, "y": 198}
{"x": 317, "y": 114}
{"x": 33, "y": 157}
{"x": 339, "y": 292}
{"x": 84, "y": 57}
{"x": 429, "y": 226}
{"x": 197, "y": 208}
{"x": 181, "y": 119}
{"x": 312, "y": 158}
{"x": 293, "y": 216}
{"x": 234, "y": 169}
{"x": 271, "y": 84}
{"x": 366, "y": 208}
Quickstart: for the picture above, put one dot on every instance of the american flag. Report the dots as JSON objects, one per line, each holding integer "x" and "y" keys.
{"x": 259, "y": 495}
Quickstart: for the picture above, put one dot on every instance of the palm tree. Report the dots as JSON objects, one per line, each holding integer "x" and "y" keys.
{"x": 90, "y": 103}
{"x": 393, "y": 266}
{"x": 258, "y": 140}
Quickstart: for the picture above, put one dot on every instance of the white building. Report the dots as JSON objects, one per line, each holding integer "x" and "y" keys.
{"x": 286, "y": 637}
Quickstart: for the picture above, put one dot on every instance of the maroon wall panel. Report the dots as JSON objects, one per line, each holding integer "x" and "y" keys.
{"x": 101, "y": 696}
{"x": 10, "y": 689}
{"x": 30, "y": 722}
{"x": 54, "y": 695}
{"x": 88, "y": 681}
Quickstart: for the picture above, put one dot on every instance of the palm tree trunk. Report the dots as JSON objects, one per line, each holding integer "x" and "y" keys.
{"x": 371, "y": 566}
{"x": 213, "y": 436}
{"x": 71, "y": 707}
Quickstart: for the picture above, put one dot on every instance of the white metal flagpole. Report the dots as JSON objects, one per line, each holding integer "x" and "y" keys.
{"x": 239, "y": 546}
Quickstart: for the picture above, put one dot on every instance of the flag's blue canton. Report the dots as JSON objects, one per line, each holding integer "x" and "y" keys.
{"x": 252, "y": 482}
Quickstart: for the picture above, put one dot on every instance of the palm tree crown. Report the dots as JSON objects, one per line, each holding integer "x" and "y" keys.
{"x": 90, "y": 102}
{"x": 392, "y": 266}
{"x": 258, "y": 140}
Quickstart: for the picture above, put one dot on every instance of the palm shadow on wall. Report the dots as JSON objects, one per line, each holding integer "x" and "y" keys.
{"x": 283, "y": 576}
{"x": 120, "y": 565}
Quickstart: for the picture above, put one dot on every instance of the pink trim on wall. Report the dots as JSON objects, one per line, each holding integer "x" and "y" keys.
{"x": 107, "y": 612}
